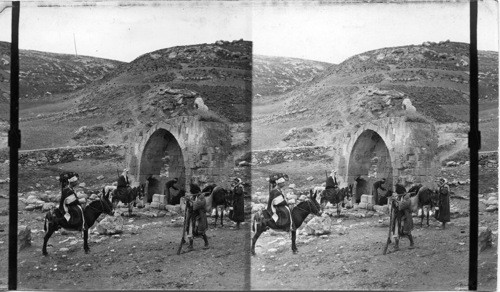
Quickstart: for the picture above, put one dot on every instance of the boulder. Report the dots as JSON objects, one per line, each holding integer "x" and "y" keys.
{"x": 292, "y": 186}
{"x": 484, "y": 239}
{"x": 47, "y": 207}
{"x": 318, "y": 226}
{"x": 110, "y": 225}
{"x": 258, "y": 207}
{"x": 492, "y": 208}
{"x": 381, "y": 209}
{"x": 173, "y": 208}
{"x": 23, "y": 236}
{"x": 30, "y": 207}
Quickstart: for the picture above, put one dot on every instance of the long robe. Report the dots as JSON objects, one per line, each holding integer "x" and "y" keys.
{"x": 277, "y": 205}
{"x": 238, "y": 214}
{"x": 71, "y": 208}
{"x": 443, "y": 213}
{"x": 197, "y": 215}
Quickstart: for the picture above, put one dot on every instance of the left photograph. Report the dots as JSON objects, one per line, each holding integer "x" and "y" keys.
{"x": 134, "y": 165}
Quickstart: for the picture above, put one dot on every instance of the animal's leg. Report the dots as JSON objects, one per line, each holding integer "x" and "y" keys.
{"x": 86, "y": 240}
{"x": 422, "y": 218}
{"x": 412, "y": 245}
{"x": 48, "y": 234}
{"x": 216, "y": 216}
{"x": 258, "y": 232}
{"x": 338, "y": 209}
{"x": 294, "y": 247}
{"x": 205, "y": 239}
{"x": 130, "y": 209}
{"x": 221, "y": 216}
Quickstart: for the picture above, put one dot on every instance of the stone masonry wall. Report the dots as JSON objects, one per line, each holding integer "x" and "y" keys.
{"x": 61, "y": 155}
{"x": 274, "y": 156}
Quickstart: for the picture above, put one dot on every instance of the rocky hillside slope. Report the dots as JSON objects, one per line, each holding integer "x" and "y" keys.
{"x": 43, "y": 74}
{"x": 277, "y": 75}
{"x": 212, "y": 81}
{"x": 432, "y": 78}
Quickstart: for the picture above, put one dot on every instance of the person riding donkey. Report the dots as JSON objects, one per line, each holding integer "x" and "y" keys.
{"x": 123, "y": 185}
{"x": 278, "y": 209}
{"x": 196, "y": 216}
{"x": 69, "y": 204}
{"x": 402, "y": 207}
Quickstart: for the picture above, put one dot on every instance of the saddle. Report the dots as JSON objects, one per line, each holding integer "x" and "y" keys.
{"x": 283, "y": 221}
{"x": 76, "y": 218}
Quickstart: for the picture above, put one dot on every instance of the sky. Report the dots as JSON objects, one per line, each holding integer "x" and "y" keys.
{"x": 302, "y": 29}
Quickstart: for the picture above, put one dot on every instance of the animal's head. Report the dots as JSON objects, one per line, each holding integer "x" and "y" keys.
{"x": 138, "y": 192}
{"x": 315, "y": 206}
{"x": 107, "y": 206}
{"x": 434, "y": 198}
{"x": 323, "y": 200}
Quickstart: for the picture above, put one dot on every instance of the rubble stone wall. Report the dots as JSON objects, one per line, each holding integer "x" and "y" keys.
{"x": 67, "y": 154}
{"x": 274, "y": 156}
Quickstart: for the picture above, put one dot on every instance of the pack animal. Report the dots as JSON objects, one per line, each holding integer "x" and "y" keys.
{"x": 425, "y": 198}
{"x": 262, "y": 221}
{"x": 129, "y": 198}
{"x": 336, "y": 197}
{"x": 216, "y": 198}
{"x": 87, "y": 218}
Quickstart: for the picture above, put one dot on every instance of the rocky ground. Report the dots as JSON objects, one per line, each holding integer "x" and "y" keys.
{"x": 345, "y": 252}
{"x": 137, "y": 252}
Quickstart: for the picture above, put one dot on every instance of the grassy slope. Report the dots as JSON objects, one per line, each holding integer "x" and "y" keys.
{"x": 428, "y": 75}
{"x": 131, "y": 95}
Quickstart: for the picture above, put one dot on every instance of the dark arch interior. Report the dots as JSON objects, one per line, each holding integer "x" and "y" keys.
{"x": 163, "y": 160}
{"x": 371, "y": 160}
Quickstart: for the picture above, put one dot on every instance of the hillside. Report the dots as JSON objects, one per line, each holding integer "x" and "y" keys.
{"x": 277, "y": 75}
{"x": 433, "y": 76}
{"x": 155, "y": 86}
{"x": 43, "y": 74}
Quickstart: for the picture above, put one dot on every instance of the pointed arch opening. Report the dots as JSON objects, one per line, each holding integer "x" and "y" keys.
{"x": 162, "y": 160}
{"x": 370, "y": 160}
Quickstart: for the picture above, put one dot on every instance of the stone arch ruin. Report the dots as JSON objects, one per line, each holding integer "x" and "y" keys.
{"x": 395, "y": 148}
{"x": 370, "y": 159}
{"x": 184, "y": 147}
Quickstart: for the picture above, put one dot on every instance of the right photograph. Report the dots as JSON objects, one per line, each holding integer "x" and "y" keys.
{"x": 360, "y": 158}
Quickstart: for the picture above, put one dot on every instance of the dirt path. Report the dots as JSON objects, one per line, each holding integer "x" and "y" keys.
{"x": 355, "y": 260}
{"x": 143, "y": 260}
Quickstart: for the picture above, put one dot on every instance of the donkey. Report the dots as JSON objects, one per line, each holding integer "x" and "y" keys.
{"x": 262, "y": 221}
{"x": 426, "y": 197}
{"x": 216, "y": 197}
{"x": 129, "y": 198}
{"x": 90, "y": 214}
{"x": 336, "y": 196}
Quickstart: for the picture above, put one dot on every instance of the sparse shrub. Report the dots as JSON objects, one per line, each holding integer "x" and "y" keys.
{"x": 462, "y": 155}
{"x": 209, "y": 116}
{"x": 412, "y": 117}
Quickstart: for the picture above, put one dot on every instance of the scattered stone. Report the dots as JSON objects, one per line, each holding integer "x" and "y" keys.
{"x": 492, "y": 208}
{"x": 24, "y": 236}
{"x": 292, "y": 186}
{"x": 484, "y": 239}
{"x": 110, "y": 225}
{"x": 310, "y": 178}
{"x": 47, "y": 207}
{"x": 318, "y": 226}
{"x": 100, "y": 177}
{"x": 257, "y": 207}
